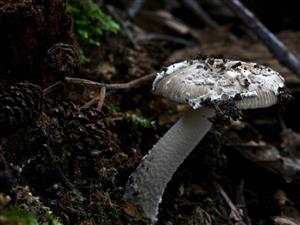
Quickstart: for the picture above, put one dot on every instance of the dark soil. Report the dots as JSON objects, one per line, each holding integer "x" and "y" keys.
{"x": 60, "y": 154}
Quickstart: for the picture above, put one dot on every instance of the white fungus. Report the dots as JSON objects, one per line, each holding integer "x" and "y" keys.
{"x": 195, "y": 82}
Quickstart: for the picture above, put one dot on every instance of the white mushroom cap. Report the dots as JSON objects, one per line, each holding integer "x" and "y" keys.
{"x": 197, "y": 81}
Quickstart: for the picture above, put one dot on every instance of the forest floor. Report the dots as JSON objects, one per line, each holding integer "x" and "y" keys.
{"x": 75, "y": 158}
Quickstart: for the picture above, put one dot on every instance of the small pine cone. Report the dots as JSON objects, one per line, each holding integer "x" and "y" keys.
{"x": 18, "y": 106}
{"x": 63, "y": 59}
{"x": 86, "y": 142}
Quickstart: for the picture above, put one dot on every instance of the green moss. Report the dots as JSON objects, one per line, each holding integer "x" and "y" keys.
{"x": 53, "y": 220}
{"x": 90, "y": 23}
{"x": 15, "y": 216}
{"x": 139, "y": 120}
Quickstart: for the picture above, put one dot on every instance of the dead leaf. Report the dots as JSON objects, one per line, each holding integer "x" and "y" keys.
{"x": 291, "y": 142}
{"x": 282, "y": 220}
{"x": 281, "y": 198}
{"x": 132, "y": 210}
{"x": 262, "y": 153}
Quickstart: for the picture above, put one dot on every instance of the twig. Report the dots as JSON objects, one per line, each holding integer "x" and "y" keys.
{"x": 196, "y": 8}
{"x": 115, "y": 86}
{"x": 96, "y": 99}
{"x": 240, "y": 199}
{"x": 51, "y": 88}
{"x": 235, "y": 213}
{"x": 165, "y": 37}
{"x": 104, "y": 87}
{"x": 126, "y": 25}
{"x": 101, "y": 98}
{"x": 90, "y": 103}
{"x": 135, "y": 7}
{"x": 279, "y": 50}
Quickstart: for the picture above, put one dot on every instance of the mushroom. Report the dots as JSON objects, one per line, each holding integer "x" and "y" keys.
{"x": 196, "y": 82}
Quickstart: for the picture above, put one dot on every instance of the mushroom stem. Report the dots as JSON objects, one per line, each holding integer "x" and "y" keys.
{"x": 147, "y": 183}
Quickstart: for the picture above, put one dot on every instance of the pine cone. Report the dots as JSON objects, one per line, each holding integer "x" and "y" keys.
{"x": 85, "y": 135}
{"x": 18, "y": 106}
{"x": 85, "y": 143}
{"x": 63, "y": 59}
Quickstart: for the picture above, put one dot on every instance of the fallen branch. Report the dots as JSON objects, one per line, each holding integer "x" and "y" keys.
{"x": 128, "y": 85}
{"x": 103, "y": 87}
{"x": 236, "y": 214}
{"x": 165, "y": 37}
{"x": 127, "y": 27}
{"x": 196, "y": 8}
{"x": 198, "y": 11}
{"x": 278, "y": 49}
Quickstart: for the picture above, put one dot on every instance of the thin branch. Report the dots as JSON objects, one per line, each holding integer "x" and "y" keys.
{"x": 197, "y": 9}
{"x": 234, "y": 211}
{"x": 165, "y": 37}
{"x": 127, "y": 85}
{"x": 240, "y": 199}
{"x": 51, "y": 88}
{"x": 235, "y": 214}
{"x": 103, "y": 87}
{"x": 278, "y": 49}
{"x": 125, "y": 24}
{"x": 90, "y": 103}
{"x": 101, "y": 98}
